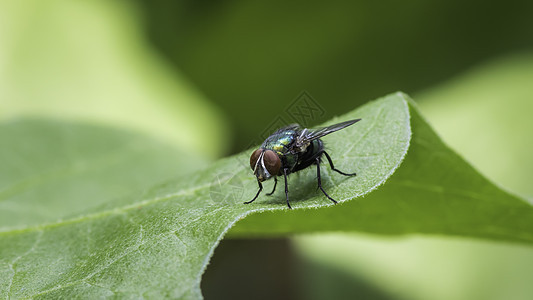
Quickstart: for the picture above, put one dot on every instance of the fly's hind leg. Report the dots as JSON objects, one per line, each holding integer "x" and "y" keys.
{"x": 333, "y": 167}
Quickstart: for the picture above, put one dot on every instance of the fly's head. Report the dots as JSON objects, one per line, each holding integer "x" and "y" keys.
{"x": 265, "y": 164}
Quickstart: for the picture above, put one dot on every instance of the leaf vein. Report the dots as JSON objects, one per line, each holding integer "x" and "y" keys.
{"x": 12, "y": 266}
{"x": 128, "y": 251}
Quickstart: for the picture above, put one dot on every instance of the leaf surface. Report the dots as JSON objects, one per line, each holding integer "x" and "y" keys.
{"x": 156, "y": 239}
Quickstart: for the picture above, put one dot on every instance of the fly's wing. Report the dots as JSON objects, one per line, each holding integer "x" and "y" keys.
{"x": 306, "y": 135}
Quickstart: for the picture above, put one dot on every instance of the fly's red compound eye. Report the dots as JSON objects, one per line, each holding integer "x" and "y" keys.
{"x": 255, "y": 157}
{"x": 272, "y": 162}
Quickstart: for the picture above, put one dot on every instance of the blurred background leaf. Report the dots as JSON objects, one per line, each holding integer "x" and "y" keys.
{"x": 246, "y": 55}
{"x": 485, "y": 114}
{"x": 415, "y": 267}
{"x": 89, "y": 61}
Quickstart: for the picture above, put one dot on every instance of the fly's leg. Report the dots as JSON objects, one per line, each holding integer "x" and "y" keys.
{"x": 274, "y": 189}
{"x": 286, "y": 188}
{"x": 333, "y": 167}
{"x": 319, "y": 179}
{"x": 256, "y": 195}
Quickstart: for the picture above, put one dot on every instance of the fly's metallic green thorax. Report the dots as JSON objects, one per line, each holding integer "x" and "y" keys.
{"x": 279, "y": 142}
{"x": 291, "y": 149}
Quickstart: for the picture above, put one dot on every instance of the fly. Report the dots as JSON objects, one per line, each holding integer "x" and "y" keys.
{"x": 291, "y": 149}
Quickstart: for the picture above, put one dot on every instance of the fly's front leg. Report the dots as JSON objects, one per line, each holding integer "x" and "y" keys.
{"x": 274, "y": 189}
{"x": 256, "y": 195}
{"x": 320, "y": 180}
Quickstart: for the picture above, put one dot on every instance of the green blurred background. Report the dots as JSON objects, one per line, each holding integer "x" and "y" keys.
{"x": 210, "y": 76}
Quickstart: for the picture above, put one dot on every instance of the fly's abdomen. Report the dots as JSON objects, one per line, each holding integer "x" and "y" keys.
{"x": 308, "y": 158}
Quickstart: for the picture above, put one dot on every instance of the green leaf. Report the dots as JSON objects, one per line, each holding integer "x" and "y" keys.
{"x": 155, "y": 241}
{"x": 434, "y": 191}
